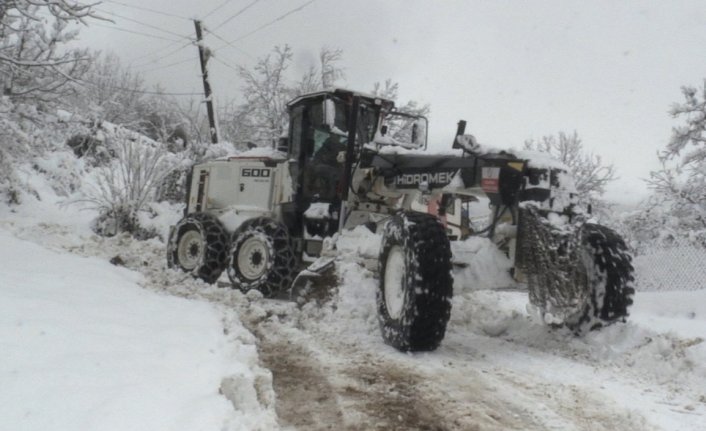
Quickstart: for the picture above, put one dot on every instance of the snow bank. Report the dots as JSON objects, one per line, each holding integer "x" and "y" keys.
{"x": 485, "y": 266}
{"x": 84, "y": 347}
{"x": 351, "y": 316}
{"x": 654, "y": 364}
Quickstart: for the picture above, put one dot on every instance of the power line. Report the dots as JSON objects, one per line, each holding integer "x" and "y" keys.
{"x": 160, "y": 58}
{"x": 134, "y": 32}
{"x": 167, "y": 65}
{"x": 225, "y": 64}
{"x": 215, "y": 9}
{"x": 227, "y": 43}
{"x": 139, "y": 22}
{"x": 279, "y": 18}
{"x": 236, "y": 14}
{"x": 158, "y": 50}
{"x": 148, "y": 9}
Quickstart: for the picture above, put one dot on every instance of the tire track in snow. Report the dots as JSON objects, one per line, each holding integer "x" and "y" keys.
{"x": 304, "y": 397}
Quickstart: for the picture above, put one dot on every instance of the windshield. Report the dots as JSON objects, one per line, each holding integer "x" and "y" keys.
{"x": 401, "y": 129}
{"x": 336, "y": 118}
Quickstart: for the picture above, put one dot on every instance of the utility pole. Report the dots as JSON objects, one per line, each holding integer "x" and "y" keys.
{"x": 206, "y": 84}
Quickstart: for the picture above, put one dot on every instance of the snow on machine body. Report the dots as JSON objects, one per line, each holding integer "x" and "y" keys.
{"x": 350, "y": 159}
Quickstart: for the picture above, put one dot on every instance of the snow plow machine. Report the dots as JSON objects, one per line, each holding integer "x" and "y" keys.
{"x": 351, "y": 159}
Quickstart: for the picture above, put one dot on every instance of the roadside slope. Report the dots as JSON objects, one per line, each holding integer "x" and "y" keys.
{"x": 85, "y": 347}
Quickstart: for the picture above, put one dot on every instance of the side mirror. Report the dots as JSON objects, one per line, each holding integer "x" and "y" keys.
{"x": 383, "y": 130}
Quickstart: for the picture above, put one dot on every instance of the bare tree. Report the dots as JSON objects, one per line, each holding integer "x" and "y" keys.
{"x": 323, "y": 76}
{"x": 262, "y": 119}
{"x": 195, "y": 121}
{"x": 236, "y": 125}
{"x": 400, "y": 128}
{"x": 390, "y": 90}
{"x": 590, "y": 173}
{"x": 267, "y": 93}
{"x": 161, "y": 119}
{"x": 112, "y": 92}
{"x": 330, "y": 71}
{"x": 34, "y": 63}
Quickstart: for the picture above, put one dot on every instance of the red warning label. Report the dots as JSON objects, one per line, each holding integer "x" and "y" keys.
{"x": 490, "y": 179}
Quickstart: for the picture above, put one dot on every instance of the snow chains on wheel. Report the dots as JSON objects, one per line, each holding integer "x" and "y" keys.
{"x": 261, "y": 257}
{"x": 610, "y": 277}
{"x": 415, "y": 286}
{"x": 198, "y": 244}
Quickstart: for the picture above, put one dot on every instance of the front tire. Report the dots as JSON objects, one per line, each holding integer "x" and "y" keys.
{"x": 610, "y": 278}
{"x": 261, "y": 257}
{"x": 198, "y": 244}
{"x": 415, "y": 287}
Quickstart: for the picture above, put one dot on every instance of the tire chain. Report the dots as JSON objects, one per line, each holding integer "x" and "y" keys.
{"x": 215, "y": 242}
{"x": 428, "y": 276}
{"x": 284, "y": 261}
{"x": 551, "y": 257}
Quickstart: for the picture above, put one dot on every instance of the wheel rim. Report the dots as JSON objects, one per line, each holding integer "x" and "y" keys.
{"x": 253, "y": 258}
{"x": 190, "y": 250}
{"x": 394, "y": 288}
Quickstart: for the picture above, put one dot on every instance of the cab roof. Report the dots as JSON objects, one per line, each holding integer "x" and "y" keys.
{"x": 344, "y": 94}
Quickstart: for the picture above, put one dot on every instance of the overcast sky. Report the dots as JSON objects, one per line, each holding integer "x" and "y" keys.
{"x": 514, "y": 70}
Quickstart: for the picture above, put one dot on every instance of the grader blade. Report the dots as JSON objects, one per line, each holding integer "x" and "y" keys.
{"x": 315, "y": 280}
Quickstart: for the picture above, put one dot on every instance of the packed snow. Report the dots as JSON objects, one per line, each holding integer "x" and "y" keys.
{"x": 98, "y": 334}
{"x": 85, "y": 347}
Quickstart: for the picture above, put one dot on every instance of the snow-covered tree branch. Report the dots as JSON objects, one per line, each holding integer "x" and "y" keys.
{"x": 266, "y": 94}
{"x": 681, "y": 181}
{"x": 690, "y": 138}
{"x": 35, "y": 63}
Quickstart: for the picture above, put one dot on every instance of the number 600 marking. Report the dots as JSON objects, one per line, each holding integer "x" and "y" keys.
{"x": 255, "y": 172}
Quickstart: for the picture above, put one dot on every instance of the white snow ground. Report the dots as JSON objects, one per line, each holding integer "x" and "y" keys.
{"x": 85, "y": 347}
{"x": 88, "y": 345}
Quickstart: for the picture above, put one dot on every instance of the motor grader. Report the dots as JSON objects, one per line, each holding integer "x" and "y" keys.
{"x": 351, "y": 159}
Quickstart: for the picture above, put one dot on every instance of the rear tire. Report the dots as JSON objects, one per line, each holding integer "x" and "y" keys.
{"x": 261, "y": 257}
{"x": 415, "y": 287}
{"x": 610, "y": 277}
{"x": 198, "y": 244}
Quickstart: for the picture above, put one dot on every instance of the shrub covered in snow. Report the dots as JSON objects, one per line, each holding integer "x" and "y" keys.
{"x": 120, "y": 189}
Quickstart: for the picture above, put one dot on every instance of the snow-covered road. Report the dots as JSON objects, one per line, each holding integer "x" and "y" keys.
{"x": 498, "y": 368}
